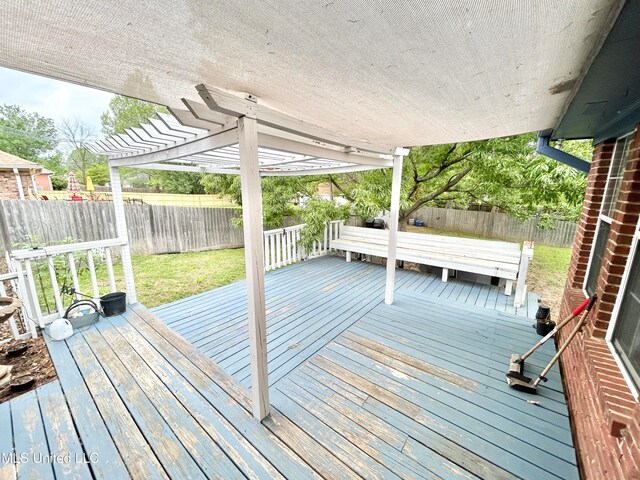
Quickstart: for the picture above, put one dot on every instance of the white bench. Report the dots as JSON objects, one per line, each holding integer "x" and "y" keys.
{"x": 484, "y": 257}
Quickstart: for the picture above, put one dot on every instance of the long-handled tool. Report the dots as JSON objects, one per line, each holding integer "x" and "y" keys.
{"x": 515, "y": 377}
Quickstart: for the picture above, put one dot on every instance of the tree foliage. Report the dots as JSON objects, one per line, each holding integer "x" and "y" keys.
{"x": 280, "y": 195}
{"x": 501, "y": 172}
{"x": 99, "y": 173}
{"x": 75, "y": 135}
{"x": 504, "y": 172}
{"x": 126, "y": 112}
{"x": 27, "y": 135}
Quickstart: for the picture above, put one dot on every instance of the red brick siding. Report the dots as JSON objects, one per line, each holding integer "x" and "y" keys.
{"x": 590, "y": 210}
{"x": 9, "y": 186}
{"x": 605, "y": 416}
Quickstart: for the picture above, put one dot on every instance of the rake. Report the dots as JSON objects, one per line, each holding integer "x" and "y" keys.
{"x": 515, "y": 377}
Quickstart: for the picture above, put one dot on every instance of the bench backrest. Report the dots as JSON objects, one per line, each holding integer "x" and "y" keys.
{"x": 507, "y": 252}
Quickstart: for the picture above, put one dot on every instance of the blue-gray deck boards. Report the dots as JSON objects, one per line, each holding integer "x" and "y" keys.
{"x": 308, "y": 304}
{"x": 360, "y": 389}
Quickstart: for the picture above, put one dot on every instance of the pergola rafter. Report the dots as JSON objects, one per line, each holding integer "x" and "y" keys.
{"x": 238, "y": 136}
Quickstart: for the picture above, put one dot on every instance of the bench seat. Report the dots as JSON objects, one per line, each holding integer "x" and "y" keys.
{"x": 483, "y": 257}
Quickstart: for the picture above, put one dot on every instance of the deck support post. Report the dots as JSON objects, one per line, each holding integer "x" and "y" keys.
{"x": 254, "y": 263}
{"x": 121, "y": 230}
{"x": 396, "y": 183}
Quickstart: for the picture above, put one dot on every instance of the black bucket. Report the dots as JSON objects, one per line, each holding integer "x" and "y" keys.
{"x": 113, "y": 304}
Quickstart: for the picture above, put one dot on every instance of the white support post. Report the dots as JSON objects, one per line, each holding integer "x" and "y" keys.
{"x": 19, "y": 183}
{"x": 445, "y": 274}
{"x": 254, "y": 261}
{"x": 396, "y": 183}
{"x": 521, "y": 284}
{"x": 121, "y": 229}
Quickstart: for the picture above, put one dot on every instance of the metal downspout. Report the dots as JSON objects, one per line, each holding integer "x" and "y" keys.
{"x": 543, "y": 148}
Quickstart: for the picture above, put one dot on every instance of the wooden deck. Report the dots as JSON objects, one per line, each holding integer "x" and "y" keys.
{"x": 413, "y": 390}
{"x": 309, "y": 304}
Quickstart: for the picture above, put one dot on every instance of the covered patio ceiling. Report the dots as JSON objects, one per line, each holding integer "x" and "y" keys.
{"x": 409, "y": 72}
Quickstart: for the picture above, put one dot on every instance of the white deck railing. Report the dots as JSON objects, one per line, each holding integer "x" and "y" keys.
{"x": 14, "y": 283}
{"x": 56, "y": 258}
{"x": 282, "y": 245}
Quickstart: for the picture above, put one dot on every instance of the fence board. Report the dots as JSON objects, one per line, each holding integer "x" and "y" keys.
{"x": 163, "y": 229}
{"x": 152, "y": 228}
{"x": 496, "y": 225}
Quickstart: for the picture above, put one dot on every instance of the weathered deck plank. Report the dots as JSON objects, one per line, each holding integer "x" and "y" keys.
{"x": 298, "y": 298}
{"x": 413, "y": 390}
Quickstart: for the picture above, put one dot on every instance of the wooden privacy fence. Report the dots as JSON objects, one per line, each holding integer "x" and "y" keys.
{"x": 152, "y": 228}
{"x": 496, "y": 225}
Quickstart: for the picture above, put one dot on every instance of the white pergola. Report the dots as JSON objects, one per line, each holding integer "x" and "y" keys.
{"x": 229, "y": 134}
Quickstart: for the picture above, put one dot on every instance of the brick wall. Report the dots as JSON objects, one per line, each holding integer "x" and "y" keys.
{"x": 9, "y": 187}
{"x": 605, "y": 416}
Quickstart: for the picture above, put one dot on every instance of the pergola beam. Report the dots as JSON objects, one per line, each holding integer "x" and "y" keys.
{"x": 173, "y": 167}
{"x": 291, "y": 146}
{"x": 204, "y": 113}
{"x": 233, "y": 105}
{"x": 193, "y": 147}
{"x": 186, "y": 118}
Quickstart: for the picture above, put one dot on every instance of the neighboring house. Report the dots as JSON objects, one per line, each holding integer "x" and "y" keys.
{"x": 17, "y": 177}
{"x": 602, "y": 368}
{"x": 43, "y": 180}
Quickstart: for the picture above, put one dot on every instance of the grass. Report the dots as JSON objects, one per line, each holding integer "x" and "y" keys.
{"x": 548, "y": 273}
{"x": 162, "y": 279}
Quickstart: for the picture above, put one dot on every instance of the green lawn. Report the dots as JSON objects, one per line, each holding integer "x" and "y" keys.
{"x": 164, "y": 278}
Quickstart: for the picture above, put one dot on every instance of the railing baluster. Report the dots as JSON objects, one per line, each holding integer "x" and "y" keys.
{"x": 32, "y": 288}
{"x": 54, "y": 284}
{"x": 108, "y": 261}
{"x": 272, "y": 240}
{"x": 278, "y": 251}
{"x": 22, "y": 292}
{"x": 326, "y": 240}
{"x": 92, "y": 274}
{"x": 74, "y": 274}
{"x": 266, "y": 253}
{"x": 294, "y": 239}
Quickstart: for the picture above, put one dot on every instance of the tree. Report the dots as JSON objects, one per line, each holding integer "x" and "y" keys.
{"x": 177, "y": 182}
{"x": 127, "y": 112}
{"x": 279, "y": 194}
{"x": 27, "y": 135}
{"x": 57, "y": 166}
{"x": 99, "y": 173}
{"x": 501, "y": 172}
{"x": 75, "y": 135}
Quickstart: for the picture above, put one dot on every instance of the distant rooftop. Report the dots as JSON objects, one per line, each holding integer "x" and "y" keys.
{"x": 8, "y": 160}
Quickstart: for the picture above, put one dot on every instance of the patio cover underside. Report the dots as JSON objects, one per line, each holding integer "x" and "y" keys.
{"x": 399, "y": 73}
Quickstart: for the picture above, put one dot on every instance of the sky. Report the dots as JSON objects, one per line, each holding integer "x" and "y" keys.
{"x": 53, "y": 98}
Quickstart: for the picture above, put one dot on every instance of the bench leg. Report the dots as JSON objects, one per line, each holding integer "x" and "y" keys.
{"x": 347, "y": 255}
{"x": 508, "y": 288}
{"x": 445, "y": 274}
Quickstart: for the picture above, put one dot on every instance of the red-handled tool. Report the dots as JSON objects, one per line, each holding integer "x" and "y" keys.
{"x": 515, "y": 377}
